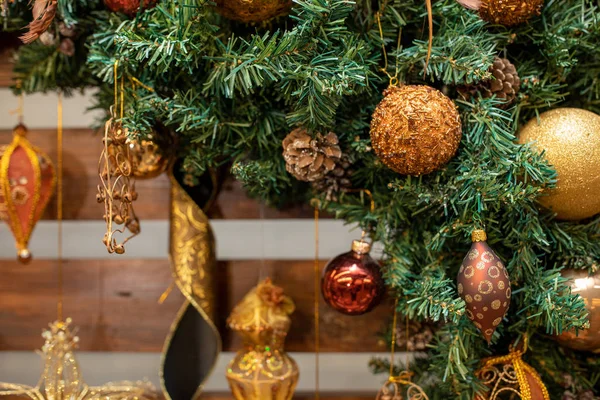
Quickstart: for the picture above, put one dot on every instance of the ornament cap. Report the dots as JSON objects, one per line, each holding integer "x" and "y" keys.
{"x": 478, "y": 235}
{"x": 20, "y": 130}
{"x": 361, "y": 247}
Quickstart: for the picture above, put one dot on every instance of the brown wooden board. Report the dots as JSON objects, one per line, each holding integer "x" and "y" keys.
{"x": 82, "y": 148}
{"x": 114, "y": 304}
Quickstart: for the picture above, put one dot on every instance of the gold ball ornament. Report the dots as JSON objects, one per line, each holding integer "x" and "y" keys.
{"x": 251, "y": 11}
{"x": 570, "y": 139}
{"x": 588, "y": 287}
{"x": 509, "y": 12}
{"x": 415, "y": 129}
{"x": 148, "y": 159}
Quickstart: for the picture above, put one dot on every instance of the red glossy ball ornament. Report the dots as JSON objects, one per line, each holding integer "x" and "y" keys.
{"x": 352, "y": 283}
{"x": 129, "y": 7}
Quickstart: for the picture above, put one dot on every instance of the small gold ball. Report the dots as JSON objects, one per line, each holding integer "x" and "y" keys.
{"x": 415, "y": 129}
{"x": 24, "y": 256}
{"x": 120, "y": 249}
{"x": 253, "y": 10}
{"x": 570, "y": 139}
{"x": 148, "y": 159}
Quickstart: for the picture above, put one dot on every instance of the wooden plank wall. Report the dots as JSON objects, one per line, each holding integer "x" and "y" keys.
{"x": 114, "y": 302}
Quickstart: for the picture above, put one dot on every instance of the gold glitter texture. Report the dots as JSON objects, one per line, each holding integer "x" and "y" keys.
{"x": 570, "y": 138}
{"x": 415, "y": 129}
{"x": 509, "y": 12}
{"x": 253, "y": 10}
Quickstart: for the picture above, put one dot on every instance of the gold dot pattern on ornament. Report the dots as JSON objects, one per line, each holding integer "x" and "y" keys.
{"x": 497, "y": 321}
{"x": 504, "y": 304}
{"x": 473, "y": 254}
{"x": 477, "y": 297}
{"x": 460, "y": 288}
{"x": 470, "y": 314}
{"x": 501, "y": 285}
{"x": 487, "y": 256}
{"x": 477, "y": 325}
{"x": 485, "y": 309}
{"x": 23, "y": 180}
{"x": 461, "y": 269}
{"x": 479, "y": 316}
{"x": 496, "y": 305}
{"x": 19, "y": 195}
{"x": 468, "y": 298}
{"x": 508, "y": 293}
{"x": 469, "y": 271}
{"x": 489, "y": 332}
{"x": 485, "y": 287}
{"x": 480, "y": 265}
{"x": 493, "y": 272}
{"x": 503, "y": 270}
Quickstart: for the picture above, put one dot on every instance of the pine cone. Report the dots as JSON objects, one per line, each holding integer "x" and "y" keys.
{"x": 336, "y": 181}
{"x": 310, "y": 158}
{"x": 505, "y": 84}
{"x": 420, "y": 334}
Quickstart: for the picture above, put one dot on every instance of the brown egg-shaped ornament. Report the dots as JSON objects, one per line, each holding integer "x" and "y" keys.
{"x": 352, "y": 283}
{"x": 484, "y": 285}
{"x": 129, "y": 7}
{"x": 415, "y": 129}
{"x": 505, "y": 12}
{"x": 588, "y": 287}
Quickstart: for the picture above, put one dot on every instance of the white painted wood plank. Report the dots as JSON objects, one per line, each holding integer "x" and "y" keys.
{"x": 40, "y": 110}
{"x": 339, "y": 372}
{"x": 281, "y": 239}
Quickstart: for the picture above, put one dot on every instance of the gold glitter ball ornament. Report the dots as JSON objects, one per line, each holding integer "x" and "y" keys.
{"x": 570, "y": 140}
{"x": 148, "y": 158}
{"x": 252, "y": 11}
{"x": 415, "y": 129}
{"x": 509, "y": 12}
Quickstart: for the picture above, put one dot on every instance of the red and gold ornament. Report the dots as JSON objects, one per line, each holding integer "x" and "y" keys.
{"x": 27, "y": 181}
{"x": 352, "y": 283}
{"x": 129, "y": 7}
{"x": 484, "y": 285}
{"x": 510, "y": 376}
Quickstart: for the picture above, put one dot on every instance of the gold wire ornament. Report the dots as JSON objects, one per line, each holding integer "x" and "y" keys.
{"x": 61, "y": 377}
{"x": 117, "y": 184}
{"x": 509, "y": 375}
{"x": 400, "y": 387}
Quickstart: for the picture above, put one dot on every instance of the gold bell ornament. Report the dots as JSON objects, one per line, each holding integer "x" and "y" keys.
{"x": 262, "y": 370}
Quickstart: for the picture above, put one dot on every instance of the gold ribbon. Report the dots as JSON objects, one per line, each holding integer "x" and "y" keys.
{"x": 194, "y": 343}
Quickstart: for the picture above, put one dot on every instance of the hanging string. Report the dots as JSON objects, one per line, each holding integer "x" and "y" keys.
{"x": 394, "y": 79}
{"x": 393, "y": 346}
{"x": 262, "y": 272}
{"x": 59, "y": 204}
{"x": 317, "y": 287}
{"x": 116, "y": 79}
{"x": 19, "y": 110}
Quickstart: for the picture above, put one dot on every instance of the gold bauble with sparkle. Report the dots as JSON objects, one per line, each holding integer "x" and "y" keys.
{"x": 509, "y": 12}
{"x": 570, "y": 139}
{"x": 588, "y": 287}
{"x": 415, "y": 129}
{"x": 252, "y": 11}
{"x": 148, "y": 159}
